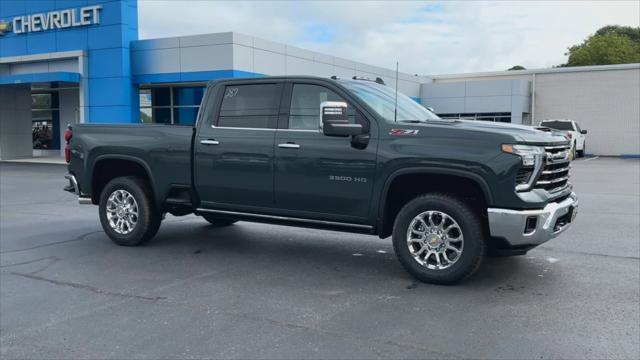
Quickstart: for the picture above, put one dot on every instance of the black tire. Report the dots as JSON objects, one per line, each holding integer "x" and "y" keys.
{"x": 218, "y": 221}
{"x": 148, "y": 219}
{"x": 474, "y": 246}
{"x": 573, "y": 151}
{"x": 584, "y": 149}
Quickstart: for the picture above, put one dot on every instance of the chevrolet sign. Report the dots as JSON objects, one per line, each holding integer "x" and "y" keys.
{"x": 58, "y": 19}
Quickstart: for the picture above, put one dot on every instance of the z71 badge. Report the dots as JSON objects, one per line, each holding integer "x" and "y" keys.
{"x": 403, "y": 132}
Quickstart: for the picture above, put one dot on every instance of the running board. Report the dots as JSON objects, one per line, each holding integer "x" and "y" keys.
{"x": 300, "y": 222}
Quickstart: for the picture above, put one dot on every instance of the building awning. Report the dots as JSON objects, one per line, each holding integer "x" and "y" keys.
{"x": 60, "y": 76}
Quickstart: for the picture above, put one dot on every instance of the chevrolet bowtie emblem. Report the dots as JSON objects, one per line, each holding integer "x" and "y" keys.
{"x": 4, "y": 27}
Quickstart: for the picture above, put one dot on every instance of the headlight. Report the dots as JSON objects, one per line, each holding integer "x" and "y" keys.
{"x": 530, "y": 154}
{"x": 532, "y": 158}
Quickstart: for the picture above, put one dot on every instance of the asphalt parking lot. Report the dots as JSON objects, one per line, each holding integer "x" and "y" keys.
{"x": 262, "y": 291}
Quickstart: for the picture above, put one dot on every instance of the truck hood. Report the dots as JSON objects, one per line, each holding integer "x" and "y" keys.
{"x": 520, "y": 133}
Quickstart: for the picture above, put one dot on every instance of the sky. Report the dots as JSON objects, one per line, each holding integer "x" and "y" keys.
{"x": 426, "y": 38}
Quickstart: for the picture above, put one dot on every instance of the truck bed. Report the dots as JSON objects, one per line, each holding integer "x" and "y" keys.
{"x": 163, "y": 150}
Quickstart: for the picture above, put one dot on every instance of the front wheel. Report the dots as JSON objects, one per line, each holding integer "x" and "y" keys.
{"x": 127, "y": 211}
{"x": 584, "y": 149}
{"x": 439, "y": 239}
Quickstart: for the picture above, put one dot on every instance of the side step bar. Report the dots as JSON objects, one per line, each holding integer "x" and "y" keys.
{"x": 285, "y": 220}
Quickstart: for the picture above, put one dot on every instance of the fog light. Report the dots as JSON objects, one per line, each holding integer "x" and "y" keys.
{"x": 530, "y": 226}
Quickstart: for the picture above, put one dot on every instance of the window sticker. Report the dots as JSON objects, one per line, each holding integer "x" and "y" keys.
{"x": 231, "y": 92}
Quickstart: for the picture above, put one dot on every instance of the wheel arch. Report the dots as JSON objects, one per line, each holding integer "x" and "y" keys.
{"x": 395, "y": 195}
{"x": 124, "y": 165}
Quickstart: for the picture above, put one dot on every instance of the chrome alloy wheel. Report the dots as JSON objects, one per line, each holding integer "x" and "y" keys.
{"x": 435, "y": 240}
{"x": 122, "y": 212}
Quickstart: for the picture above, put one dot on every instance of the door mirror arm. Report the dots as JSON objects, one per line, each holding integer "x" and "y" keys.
{"x": 361, "y": 141}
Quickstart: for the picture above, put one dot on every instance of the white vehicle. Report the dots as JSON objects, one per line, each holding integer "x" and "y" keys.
{"x": 573, "y": 132}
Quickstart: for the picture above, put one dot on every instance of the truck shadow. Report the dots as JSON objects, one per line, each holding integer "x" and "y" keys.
{"x": 313, "y": 253}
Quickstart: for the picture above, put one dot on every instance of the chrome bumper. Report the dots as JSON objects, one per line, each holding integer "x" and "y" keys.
{"x": 533, "y": 227}
{"x": 74, "y": 188}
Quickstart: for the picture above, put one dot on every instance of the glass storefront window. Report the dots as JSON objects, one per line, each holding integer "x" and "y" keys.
{"x": 45, "y": 121}
{"x": 161, "y": 96}
{"x": 146, "y": 115}
{"x": 41, "y": 101}
{"x": 187, "y": 96}
{"x": 145, "y": 98}
{"x": 162, "y": 115}
{"x": 185, "y": 115}
{"x": 170, "y": 105}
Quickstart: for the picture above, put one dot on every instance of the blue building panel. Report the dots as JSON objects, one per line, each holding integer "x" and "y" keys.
{"x": 13, "y": 46}
{"x": 38, "y": 43}
{"x": 70, "y": 39}
{"x": 108, "y": 63}
{"x": 36, "y": 6}
{"x": 111, "y": 114}
{"x": 12, "y": 8}
{"x": 107, "y": 37}
{"x": 67, "y": 4}
{"x": 113, "y": 91}
{"x": 195, "y": 76}
{"x": 114, "y": 13}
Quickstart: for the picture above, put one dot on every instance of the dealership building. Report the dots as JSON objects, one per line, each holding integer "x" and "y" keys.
{"x": 80, "y": 61}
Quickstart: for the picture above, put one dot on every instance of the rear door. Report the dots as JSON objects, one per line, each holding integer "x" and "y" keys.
{"x": 234, "y": 157}
{"x": 319, "y": 176}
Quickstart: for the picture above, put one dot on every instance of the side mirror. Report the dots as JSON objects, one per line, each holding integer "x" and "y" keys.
{"x": 334, "y": 120}
{"x": 583, "y": 131}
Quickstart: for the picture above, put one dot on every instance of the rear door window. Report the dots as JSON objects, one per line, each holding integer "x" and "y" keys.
{"x": 250, "y": 106}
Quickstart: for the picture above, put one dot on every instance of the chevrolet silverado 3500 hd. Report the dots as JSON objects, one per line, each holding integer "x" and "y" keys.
{"x": 340, "y": 154}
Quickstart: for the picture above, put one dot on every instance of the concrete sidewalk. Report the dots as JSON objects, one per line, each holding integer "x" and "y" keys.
{"x": 39, "y": 160}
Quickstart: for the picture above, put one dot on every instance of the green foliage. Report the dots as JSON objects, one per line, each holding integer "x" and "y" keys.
{"x": 611, "y": 44}
{"x": 628, "y": 31}
{"x": 517, "y": 67}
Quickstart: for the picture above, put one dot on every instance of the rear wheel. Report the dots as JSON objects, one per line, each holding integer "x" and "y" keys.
{"x": 127, "y": 211}
{"x": 218, "y": 221}
{"x": 439, "y": 239}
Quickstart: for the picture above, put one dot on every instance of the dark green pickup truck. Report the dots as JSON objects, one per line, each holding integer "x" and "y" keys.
{"x": 347, "y": 155}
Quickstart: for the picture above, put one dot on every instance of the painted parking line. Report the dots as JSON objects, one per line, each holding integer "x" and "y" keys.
{"x": 592, "y": 158}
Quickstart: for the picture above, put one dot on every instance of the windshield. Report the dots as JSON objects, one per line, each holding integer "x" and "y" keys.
{"x": 382, "y": 100}
{"x": 558, "y": 125}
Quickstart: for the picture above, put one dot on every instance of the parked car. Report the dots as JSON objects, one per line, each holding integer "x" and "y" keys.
{"x": 333, "y": 154}
{"x": 572, "y": 129}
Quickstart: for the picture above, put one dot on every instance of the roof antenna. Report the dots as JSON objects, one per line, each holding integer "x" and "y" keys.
{"x": 395, "y": 110}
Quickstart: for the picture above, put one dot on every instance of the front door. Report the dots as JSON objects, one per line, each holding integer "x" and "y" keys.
{"x": 234, "y": 157}
{"x": 320, "y": 176}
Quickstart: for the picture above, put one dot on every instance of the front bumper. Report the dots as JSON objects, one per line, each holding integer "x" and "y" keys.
{"x": 522, "y": 228}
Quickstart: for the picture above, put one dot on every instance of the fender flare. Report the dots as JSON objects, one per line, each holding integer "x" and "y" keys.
{"x": 134, "y": 159}
{"x": 486, "y": 191}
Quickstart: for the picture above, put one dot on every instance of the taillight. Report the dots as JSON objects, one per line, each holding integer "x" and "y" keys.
{"x": 68, "y": 134}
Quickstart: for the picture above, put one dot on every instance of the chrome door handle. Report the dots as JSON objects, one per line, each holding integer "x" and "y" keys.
{"x": 209, "y": 142}
{"x": 289, "y": 146}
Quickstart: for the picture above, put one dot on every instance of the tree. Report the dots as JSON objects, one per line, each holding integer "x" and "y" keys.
{"x": 611, "y": 44}
{"x": 628, "y": 31}
{"x": 517, "y": 67}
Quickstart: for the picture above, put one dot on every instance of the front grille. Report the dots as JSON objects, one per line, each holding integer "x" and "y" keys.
{"x": 523, "y": 175}
{"x": 554, "y": 176}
